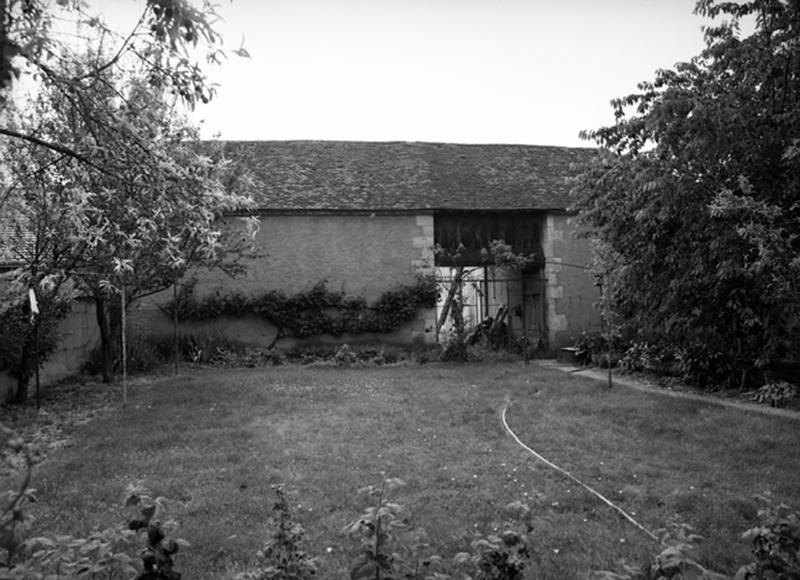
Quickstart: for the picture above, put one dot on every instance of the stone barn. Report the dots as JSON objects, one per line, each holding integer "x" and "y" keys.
{"x": 366, "y": 217}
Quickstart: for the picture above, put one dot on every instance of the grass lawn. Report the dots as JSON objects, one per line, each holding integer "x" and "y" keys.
{"x": 214, "y": 441}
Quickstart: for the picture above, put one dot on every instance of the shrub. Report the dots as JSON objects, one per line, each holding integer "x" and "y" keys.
{"x": 345, "y": 356}
{"x": 18, "y": 339}
{"x": 454, "y": 350}
{"x": 595, "y": 346}
{"x": 100, "y": 554}
{"x": 388, "y": 549}
{"x": 703, "y": 366}
{"x": 146, "y": 352}
{"x": 283, "y": 556}
{"x": 649, "y": 356}
{"x": 309, "y": 354}
{"x": 776, "y": 394}
{"x": 776, "y": 544}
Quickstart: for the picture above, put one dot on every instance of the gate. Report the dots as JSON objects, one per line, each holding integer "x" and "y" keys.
{"x": 514, "y": 299}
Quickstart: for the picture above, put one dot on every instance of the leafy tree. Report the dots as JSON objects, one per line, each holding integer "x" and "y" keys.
{"x": 146, "y": 208}
{"x": 39, "y": 39}
{"x": 694, "y": 196}
{"x": 42, "y": 41}
{"x": 104, "y": 184}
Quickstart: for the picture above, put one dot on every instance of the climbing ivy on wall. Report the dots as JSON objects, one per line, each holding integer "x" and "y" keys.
{"x": 313, "y": 312}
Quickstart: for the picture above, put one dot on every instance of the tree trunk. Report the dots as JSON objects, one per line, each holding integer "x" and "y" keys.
{"x": 23, "y": 379}
{"x": 23, "y": 373}
{"x": 106, "y": 338}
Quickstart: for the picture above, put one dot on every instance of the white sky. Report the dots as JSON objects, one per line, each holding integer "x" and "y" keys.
{"x": 466, "y": 71}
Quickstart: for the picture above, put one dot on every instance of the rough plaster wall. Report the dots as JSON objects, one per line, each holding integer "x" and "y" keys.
{"x": 361, "y": 255}
{"x": 79, "y": 335}
{"x": 569, "y": 289}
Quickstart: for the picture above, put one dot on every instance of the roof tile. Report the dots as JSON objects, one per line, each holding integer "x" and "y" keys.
{"x": 392, "y": 176}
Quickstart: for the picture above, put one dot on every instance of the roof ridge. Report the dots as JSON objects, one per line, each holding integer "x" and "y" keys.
{"x": 395, "y": 142}
{"x": 359, "y": 175}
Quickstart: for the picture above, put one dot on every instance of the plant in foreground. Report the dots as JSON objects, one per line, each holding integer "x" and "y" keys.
{"x": 390, "y": 551}
{"x": 283, "y": 557}
{"x": 775, "y": 546}
{"x": 157, "y": 555}
{"x": 775, "y": 394}
{"x": 375, "y": 530}
{"x": 502, "y": 555}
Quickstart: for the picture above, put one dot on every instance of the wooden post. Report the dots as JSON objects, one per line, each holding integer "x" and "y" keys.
{"x": 34, "y": 306}
{"x": 36, "y": 361}
{"x": 524, "y": 318}
{"x": 175, "y": 327}
{"x": 124, "y": 351}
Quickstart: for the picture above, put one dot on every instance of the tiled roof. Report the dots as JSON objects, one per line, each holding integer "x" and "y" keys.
{"x": 401, "y": 176}
{"x": 11, "y": 236}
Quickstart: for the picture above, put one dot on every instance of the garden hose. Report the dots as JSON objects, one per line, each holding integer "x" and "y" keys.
{"x": 591, "y": 490}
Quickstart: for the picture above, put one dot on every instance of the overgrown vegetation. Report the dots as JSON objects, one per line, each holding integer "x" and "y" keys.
{"x": 693, "y": 198}
{"x": 696, "y": 365}
{"x": 775, "y": 546}
{"x": 28, "y": 338}
{"x": 315, "y": 312}
{"x": 104, "y": 184}
{"x": 99, "y": 554}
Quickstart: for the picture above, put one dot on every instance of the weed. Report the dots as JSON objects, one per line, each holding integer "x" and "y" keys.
{"x": 345, "y": 357}
{"x": 283, "y": 556}
{"x": 775, "y": 394}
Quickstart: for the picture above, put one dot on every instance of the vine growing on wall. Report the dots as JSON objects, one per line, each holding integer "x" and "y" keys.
{"x": 313, "y": 312}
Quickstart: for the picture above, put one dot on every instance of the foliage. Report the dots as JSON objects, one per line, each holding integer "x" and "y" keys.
{"x": 248, "y": 357}
{"x": 389, "y": 550}
{"x": 345, "y": 356}
{"x": 162, "y": 44}
{"x": 777, "y": 394}
{"x": 157, "y": 556}
{"x": 704, "y": 365}
{"x": 499, "y": 254}
{"x": 147, "y": 352}
{"x": 283, "y": 556}
{"x": 117, "y": 196}
{"x": 503, "y": 555}
{"x": 692, "y": 198}
{"x": 13, "y": 501}
{"x": 454, "y": 350}
{"x": 651, "y": 356}
{"x": 597, "y": 345}
{"x": 375, "y": 530}
{"x": 775, "y": 546}
{"x": 314, "y": 312}
{"x": 677, "y": 558}
{"x": 24, "y": 333}
{"x": 352, "y": 355}
{"x": 101, "y": 554}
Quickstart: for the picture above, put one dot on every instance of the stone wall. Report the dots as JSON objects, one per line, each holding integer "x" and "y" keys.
{"x": 361, "y": 255}
{"x": 570, "y": 292}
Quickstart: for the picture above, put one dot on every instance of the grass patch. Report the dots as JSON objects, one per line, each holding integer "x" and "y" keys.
{"x": 213, "y": 441}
